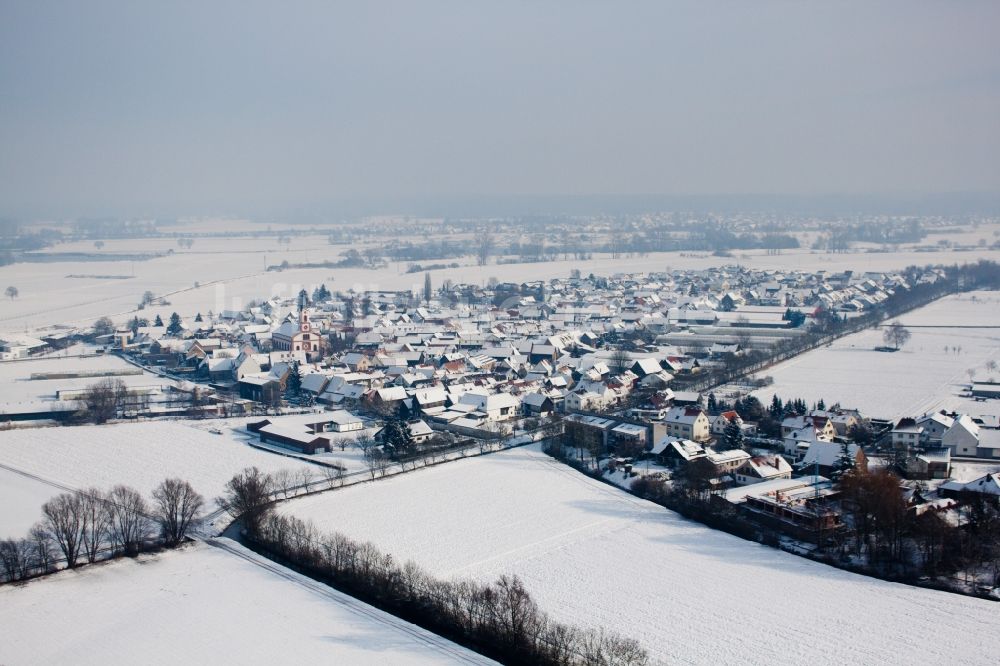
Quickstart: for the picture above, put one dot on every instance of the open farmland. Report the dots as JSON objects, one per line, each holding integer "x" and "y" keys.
{"x": 204, "y": 605}
{"x": 36, "y": 381}
{"x": 595, "y": 556}
{"x": 140, "y": 455}
{"x": 220, "y": 273}
{"x": 927, "y": 374}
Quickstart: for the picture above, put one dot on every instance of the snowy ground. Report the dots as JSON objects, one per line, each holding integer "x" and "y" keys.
{"x": 203, "y": 605}
{"x": 21, "y": 499}
{"x": 139, "y": 455}
{"x": 927, "y": 374}
{"x": 593, "y": 555}
{"x": 969, "y": 471}
{"x": 17, "y": 386}
{"x": 231, "y": 272}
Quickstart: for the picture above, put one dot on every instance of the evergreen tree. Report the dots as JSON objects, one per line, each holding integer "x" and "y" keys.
{"x": 349, "y": 309}
{"x": 845, "y": 462}
{"x": 321, "y": 294}
{"x": 198, "y": 318}
{"x": 294, "y": 383}
{"x": 175, "y": 325}
{"x": 713, "y": 405}
{"x": 732, "y": 437}
{"x": 821, "y": 405}
{"x": 158, "y": 321}
{"x": 397, "y": 439}
{"x": 777, "y": 409}
{"x": 428, "y": 289}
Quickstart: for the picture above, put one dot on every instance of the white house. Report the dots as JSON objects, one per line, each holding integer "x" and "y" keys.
{"x": 763, "y": 468}
{"x": 962, "y": 437}
{"x": 496, "y": 406}
{"x": 688, "y": 423}
{"x": 720, "y": 422}
{"x": 797, "y": 442}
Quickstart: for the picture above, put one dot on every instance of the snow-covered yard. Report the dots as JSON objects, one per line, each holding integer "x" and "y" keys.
{"x": 139, "y": 455}
{"x": 203, "y": 605}
{"x": 596, "y": 556}
{"x": 927, "y": 374}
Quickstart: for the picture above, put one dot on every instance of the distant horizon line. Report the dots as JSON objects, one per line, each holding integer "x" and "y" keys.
{"x": 971, "y": 202}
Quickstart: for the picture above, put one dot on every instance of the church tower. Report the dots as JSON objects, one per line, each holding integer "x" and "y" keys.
{"x": 303, "y": 314}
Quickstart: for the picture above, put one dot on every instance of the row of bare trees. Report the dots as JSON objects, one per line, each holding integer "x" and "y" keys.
{"x": 94, "y": 524}
{"x": 500, "y": 619}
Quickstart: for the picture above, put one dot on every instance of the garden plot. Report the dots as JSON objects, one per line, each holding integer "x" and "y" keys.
{"x": 595, "y": 556}
{"x": 204, "y": 605}
{"x": 929, "y": 373}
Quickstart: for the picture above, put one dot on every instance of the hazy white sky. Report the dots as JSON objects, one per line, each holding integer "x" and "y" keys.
{"x": 122, "y": 107}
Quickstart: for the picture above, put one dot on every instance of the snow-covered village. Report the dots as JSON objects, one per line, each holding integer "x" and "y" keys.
{"x": 412, "y": 335}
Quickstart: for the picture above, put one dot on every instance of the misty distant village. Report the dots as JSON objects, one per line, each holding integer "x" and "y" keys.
{"x": 643, "y": 380}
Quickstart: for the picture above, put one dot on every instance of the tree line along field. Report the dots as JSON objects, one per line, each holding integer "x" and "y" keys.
{"x": 200, "y": 605}
{"x": 596, "y": 556}
{"x": 928, "y": 373}
{"x": 140, "y": 455}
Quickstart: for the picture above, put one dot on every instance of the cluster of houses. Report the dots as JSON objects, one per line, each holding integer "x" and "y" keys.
{"x": 940, "y": 435}
{"x": 515, "y": 348}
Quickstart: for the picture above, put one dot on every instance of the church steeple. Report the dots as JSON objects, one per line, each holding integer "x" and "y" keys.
{"x": 303, "y": 314}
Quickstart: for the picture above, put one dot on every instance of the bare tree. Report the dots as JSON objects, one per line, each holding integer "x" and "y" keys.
{"x": 364, "y": 442}
{"x": 334, "y": 474}
{"x": 104, "y": 399}
{"x": 484, "y": 245}
{"x": 63, "y": 515}
{"x": 130, "y": 525}
{"x": 96, "y": 521}
{"x": 742, "y": 335}
{"x": 248, "y": 497}
{"x": 284, "y": 481}
{"x": 104, "y": 326}
{"x": 305, "y": 478}
{"x": 620, "y": 361}
{"x": 378, "y": 462}
{"x": 16, "y": 558}
{"x": 41, "y": 543}
{"x": 896, "y": 334}
{"x": 176, "y": 506}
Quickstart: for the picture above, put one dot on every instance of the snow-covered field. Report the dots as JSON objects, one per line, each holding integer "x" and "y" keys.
{"x": 230, "y": 272}
{"x": 927, "y": 374}
{"x": 203, "y": 605}
{"x": 21, "y": 499}
{"x": 140, "y": 455}
{"x": 17, "y": 386}
{"x": 594, "y": 555}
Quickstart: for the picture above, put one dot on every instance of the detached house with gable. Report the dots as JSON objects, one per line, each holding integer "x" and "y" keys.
{"x": 688, "y": 423}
